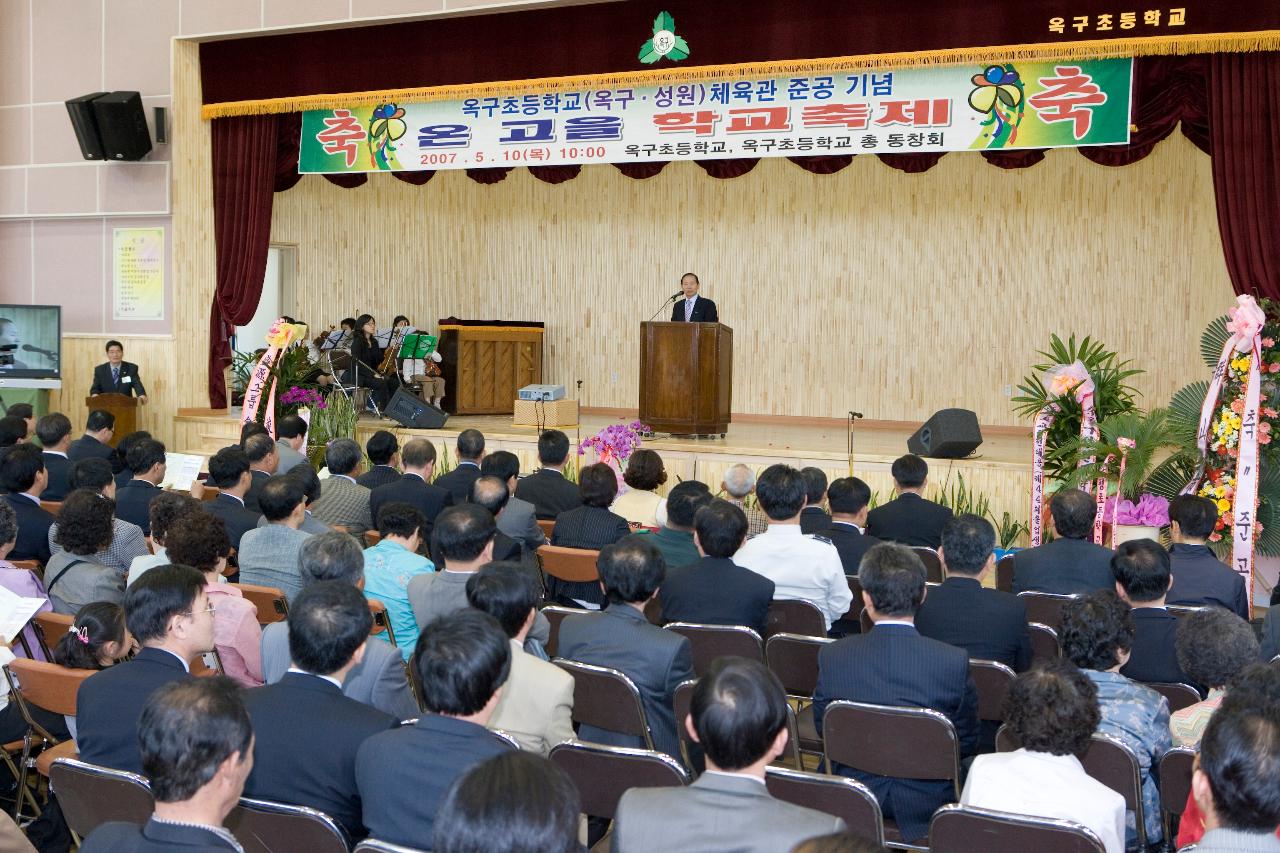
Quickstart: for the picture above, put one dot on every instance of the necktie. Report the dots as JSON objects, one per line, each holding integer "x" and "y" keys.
{"x": 115, "y": 376}
{"x": 688, "y": 310}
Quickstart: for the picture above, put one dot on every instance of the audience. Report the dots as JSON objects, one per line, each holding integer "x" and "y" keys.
{"x": 518, "y": 519}
{"x": 490, "y": 493}
{"x": 1052, "y": 711}
{"x": 621, "y": 637}
{"x": 458, "y": 482}
{"x": 591, "y": 526}
{"x": 644, "y": 475}
{"x": 1271, "y": 633}
{"x": 98, "y": 429}
{"x": 306, "y": 478}
{"x": 547, "y": 489}
{"x": 715, "y": 590}
{"x": 894, "y": 665}
{"x": 383, "y": 451}
{"x": 260, "y": 450}
{"x": 1200, "y": 578}
{"x": 72, "y": 578}
{"x": 1213, "y": 646}
{"x": 909, "y": 519}
{"x": 23, "y": 477}
{"x": 801, "y": 567}
{"x": 268, "y": 556}
{"x": 1071, "y": 564}
{"x": 813, "y": 518}
{"x": 403, "y": 775}
{"x": 849, "y": 499}
{"x": 291, "y": 443}
{"x": 1097, "y": 636}
{"x": 54, "y": 432}
{"x": 13, "y": 432}
{"x": 329, "y": 624}
{"x": 739, "y": 483}
{"x": 391, "y": 564}
{"x": 675, "y": 538}
{"x": 738, "y": 715}
{"x": 514, "y": 802}
{"x": 1141, "y": 571}
{"x": 26, "y": 583}
{"x": 164, "y": 513}
{"x": 414, "y": 487}
{"x": 127, "y": 540}
{"x": 229, "y": 471}
{"x": 536, "y": 707}
{"x": 344, "y": 503}
{"x": 145, "y": 461}
{"x": 120, "y": 455}
{"x": 463, "y": 540}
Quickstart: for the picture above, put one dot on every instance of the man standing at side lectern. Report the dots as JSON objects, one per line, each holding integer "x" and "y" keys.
{"x": 118, "y": 376}
{"x": 693, "y": 308}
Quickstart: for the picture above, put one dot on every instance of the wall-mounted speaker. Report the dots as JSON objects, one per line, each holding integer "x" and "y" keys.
{"x": 85, "y": 123}
{"x": 123, "y": 125}
{"x": 162, "y": 127}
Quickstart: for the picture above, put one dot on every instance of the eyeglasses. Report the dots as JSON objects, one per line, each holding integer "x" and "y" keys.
{"x": 210, "y": 609}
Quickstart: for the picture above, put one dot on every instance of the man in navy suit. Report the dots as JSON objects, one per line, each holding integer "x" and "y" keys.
{"x": 383, "y": 450}
{"x": 1071, "y": 564}
{"x": 98, "y": 430}
{"x": 1200, "y": 578}
{"x": 894, "y": 665}
{"x": 693, "y": 308}
{"x": 118, "y": 376}
{"x": 54, "y": 432}
{"x": 1141, "y": 571}
{"x": 414, "y": 487}
{"x": 909, "y": 519}
{"x": 470, "y": 452}
{"x": 23, "y": 476}
{"x": 547, "y": 489}
{"x": 260, "y": 450}
{"x": 848, "y": 498}
{"x": 145, "y": 460}
{"x": 813, "y": 518}
{"x": 229, "y": 471}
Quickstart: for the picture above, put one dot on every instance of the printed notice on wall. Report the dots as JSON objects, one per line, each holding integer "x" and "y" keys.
{"x": 137, "y": 269}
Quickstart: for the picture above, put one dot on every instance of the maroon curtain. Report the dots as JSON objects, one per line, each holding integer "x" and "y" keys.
{"x": 415, "y": 178}
{"x": 1244, "y": 113}
{"x": 725, "y": 169}
{"x": 489, "y": 176}
{"x": 348, "y": 180}
{"x": 555, "y": 174}
{"x": 1166, "y": 90}
{"x": 289, "y": 129}
{"x": 1019, "y": 158}
{"x": 912, "y": 164}
{"x": 823, "y": 164}
{"x": 641, "y": 171}
{"x": 244, "y": 177}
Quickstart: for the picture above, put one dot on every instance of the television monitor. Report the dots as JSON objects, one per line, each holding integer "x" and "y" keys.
{"x": 30, "y": 342}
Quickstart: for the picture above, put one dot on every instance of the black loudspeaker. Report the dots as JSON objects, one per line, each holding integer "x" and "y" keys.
{"x": 407, "y": 410}
{"x": 85, "y": 124}
{"x": 949, "y": 434}
{"x": 122, "y": 124}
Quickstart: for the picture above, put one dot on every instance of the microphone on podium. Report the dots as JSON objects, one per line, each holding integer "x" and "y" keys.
{"x": 670, "y": 299}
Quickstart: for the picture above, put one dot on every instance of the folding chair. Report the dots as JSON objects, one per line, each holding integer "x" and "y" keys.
{"x": 371, "y": 845}
{"x": 932, "y": 565}
{"x": 716, "y": 641}
{"x": 1179, "y": 695}
{"x": 602, "y": 774}
{"x": 555, "y": 614}
{"x": 1045, "y": 607}
{"x": 795, "y": 616}
{"x": 865, "y": 622}
{"x": 546, "y": 525}
{"x": 961, "y": 829}
{"x": 1174, "y": 778}
{"x": 1044, "y": 642}
{"x": 52, "y": 688}
{"x": 1182, "y": 611}
{"x": 90, "y": 796}
{"x": 794, "y": 659}
{"x": 270, "y": 601}
{"x": 1006, "y": 740}
{"x": 844, "y": 798}
{"x": 51, "y": 507}
{"x": 507, "y": 738}
{"x": 381, "y": 620}
{"x": 569, "y": 565}
{"x": 682, "y": 703}
{"x": 266, "y": 827}
{"x": 1114, "y": 764}
{"x": 50, "y": 629}
{"x": 992, "y": 679}
{"x": 607, "y": 699}
{"x": 29, "y": 565}
{"x": 371, "y": 538}
{"x": 1004, "y": 573}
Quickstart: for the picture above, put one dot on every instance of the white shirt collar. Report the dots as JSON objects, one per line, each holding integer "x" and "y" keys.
{"x": 56, "y": 453}
{"x": 177, "y": 656}
{"x": 856, "y": 527}
{"x": 329, "y": 678}
{"x": 345, "y": 477}
{"x": 775, "y": 529}
{"x": 219, "y": 831}
{"x": 756, "y": 779}
{"x": 35, "y": 500}
{"x": 908, "y": 623}
{"x": 234, "y": 497}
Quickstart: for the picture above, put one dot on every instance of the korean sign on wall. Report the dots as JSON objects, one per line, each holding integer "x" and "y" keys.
{"x": 952, "y": 108}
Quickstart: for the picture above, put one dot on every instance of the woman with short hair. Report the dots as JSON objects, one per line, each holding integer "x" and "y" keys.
{"x": 86, "y": 526}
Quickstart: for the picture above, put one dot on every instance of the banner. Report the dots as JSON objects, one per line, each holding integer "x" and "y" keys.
{"x": 955, "y": 108}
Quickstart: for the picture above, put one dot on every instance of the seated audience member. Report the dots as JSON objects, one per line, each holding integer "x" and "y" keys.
{"x": 644, "y": 475}
{"x": 268, "y": 555}
{"x": 849, "y": 499}
{"x": 1097, "y": 636}
{"x": 675, "y": 538}
{"x": 491, "y": 494}
{"x": 458, "y": 482}
{"x": 536, "y": 707}
{"x": 71, "y": 577}
{"x": 196, "y": 746}
{"x": 201, "y": 542}
{"x": 260, "y": 450}
{"x": 390, "y": 565}
{"x": 27, "y": 412}
{"x": 23, "y": 477}
{"x": 414, "y": 487}
{"x": 1071, "y": 564}
{"x": 514, "y": 802}
{"x": 715, "y": 590}
{"x": 404, "y": 774}
{"x": 54, "y": 432}
{"x": 738, "y": 484}
{"x": 1214, "y": 646}
{"x": 1271, "y": 633}
{"x": 329, "y": 624}
{"x": 127, "y": 540}
{"x": 344, "y": 503}
{"x": 547, "y": 489}
{"x": 23, "y": 582}
{"x": 894, "y": 665}
{"x": 379, "y": 679}
{"x": 1200, "y": 578}
{"x": 801, "y": 567}
{"x": 306, "y": 478}
{"x": 987, "y": 623}
{"x": 248, "y": 429}
{"x": 1141, "y": 570}
{"x": 518, "y": 519}
{"x": 813, "y": 518}
{"x": 291, "y": 443}
{"x": 169, "y": 616}
{"x": 591, "y": 526}
{"x": 909, "y": 519}
{"x": 1053, "y": 712}
{"x": 383, "y": 451}
{"x": 463, "y": 540}
{"x": 621, "y": 637}
{"x": 229, "y": 471}
{"x": 120, "y": 454}
{"x": 133, "y": 499}
{"x": 98, "y": 429}
{"x": 164, "y": 513}
{"x": 738, "y": 715}
{"x": 13, "y": 431}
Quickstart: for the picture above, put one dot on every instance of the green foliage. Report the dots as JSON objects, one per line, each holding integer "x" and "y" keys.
{"x": 1213, "y": 339}
{"x": 961, "y": 499}
{"x": 1009, "y": 531}
{"x": 336, "y": 420}
{"x": 1152, "y": 437}
{"x": 290, "y": 370}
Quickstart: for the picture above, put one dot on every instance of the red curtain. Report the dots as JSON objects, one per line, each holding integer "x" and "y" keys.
{"x": 1166, "y": 90}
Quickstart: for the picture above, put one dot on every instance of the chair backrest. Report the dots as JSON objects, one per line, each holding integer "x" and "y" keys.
{"x": 209, "y": 492}
{"x": 506, "y": 737}
{"x": 1045, "y": 607}
{"x": 865, "y": 622}
{"x": 91, "y": 796}
{"x": 716, "y": 641}
{"x": 794, "y": 659}
{"x": 52, "y": 627}
{"x": 911, "y": 743}
{"x": 1006, "y": 740}
{"x": 1004, "y": 573}
{"x": 1179, "y": 695}
{"x": 572, "y": 565}
{"x": 48, "y": 685}
{"x": 28, "y": 565}
{"x": 270, "y": 601}
{"x": 834, "y": 795}
{"x": 372, "y": 845}
{"x": 992, "y": 679}
{"x": 381, "y": 620}
{"x": 51, "y": 507}
{"x": 1044, "y": 642}
{"x": 961, "y": 829}
{"x": 546, "y": 525}
{"x": 1114, "y": 764}
{"x": 1182, "y": 611}
{"x": 607, "y": 699}
{"x": 266, "y": 827}
{"x": 1175, "y": 778}
{"x": 371, "y": 538}
{"x": 682, "y": 703}
{"x": 603, "y": 773}
{"x": 932, "y": 565}
{"x": 855, "y": 589}
{"x": 555, "y": 615}
{"x": 795, "y": 616}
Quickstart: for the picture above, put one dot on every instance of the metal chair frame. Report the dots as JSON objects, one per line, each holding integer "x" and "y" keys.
{"x": 576, "y": 668}
{"x": 1056, "y": 826}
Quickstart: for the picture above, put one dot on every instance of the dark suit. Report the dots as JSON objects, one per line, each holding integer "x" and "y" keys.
{"x": 238, "y": 519}
{"x": 290, "y": 718}
{"x": 109, "y": 705}
{"x": 1153, "y": 656}
{"x": 549, "y": 492}
{"x": 133, "y": 502}
{"x": 378, "y": 475}
{"x": 1200, "y": 578}
{"x": 404, "y": 774}
{"x": 59, "y": 468}
{"x": 1063, "y": 566}
{"x": 814, "y": 519}
{"x": 716, "y": 591}
{"x": 505, "y": 548}
{"x": 987, "y": 623}
{"x": 704, "y": 311}
{"x": 656, "y": 660}
{"x": 88, "y": 447}
{"x": 459, "y": 481}
{"x": 33, "y": 529}
{"x": 257, "y": 481}
{"x": 851, "y": 544}
{"x": 130, "y": 383}
{"x": 413, "y": 490}
{"x": 1271, "y": 633}
{"x": 154, "y": 837}
{"x": 909, "y": 519}
{"x": 894, "y": 665}
{"x": 589, "y": 527}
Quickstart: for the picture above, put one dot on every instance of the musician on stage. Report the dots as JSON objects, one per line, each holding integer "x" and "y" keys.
{"x": 423, "y": 372}
{"x": 366, "y": 359}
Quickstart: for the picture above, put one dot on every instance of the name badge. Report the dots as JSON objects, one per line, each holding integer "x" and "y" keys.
{"x": 125, "y": 379}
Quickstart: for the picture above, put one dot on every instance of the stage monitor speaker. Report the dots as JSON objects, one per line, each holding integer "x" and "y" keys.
{"x": 85, "y": 124}
{"x": 123, "y": 125}
{"x": 949, "y": 434}
{"x": 407, "y": 410}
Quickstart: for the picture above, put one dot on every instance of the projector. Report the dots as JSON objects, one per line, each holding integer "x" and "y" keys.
{"x": 541, "y": 392}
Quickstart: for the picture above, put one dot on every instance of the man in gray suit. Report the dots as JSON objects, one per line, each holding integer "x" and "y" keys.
{"x": 739, "y": 716}
{"x": 291, "y": 441}
{"x": 268, "y": 555}
{"x": 344, "y": 502}
{"x": 379, "y": 679}
{"x": 517, "y": 520}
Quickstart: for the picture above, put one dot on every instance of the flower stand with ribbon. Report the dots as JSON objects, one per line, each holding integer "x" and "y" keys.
{"x": 279, "y": 336}
{"x": 1062, "y": 380}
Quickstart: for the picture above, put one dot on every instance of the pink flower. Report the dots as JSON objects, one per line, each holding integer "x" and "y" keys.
{"x": 1246, "y": 322}
{"x": 1237, "y": 405}
{"x": 1066, "y": 378}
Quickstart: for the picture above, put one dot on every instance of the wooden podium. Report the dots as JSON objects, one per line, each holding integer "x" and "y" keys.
{"x": 686, "y": 377}
{"x": 123, "y": 406}
{"x": 485, "y": 362}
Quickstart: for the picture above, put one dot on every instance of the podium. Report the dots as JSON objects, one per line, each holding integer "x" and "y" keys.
{"x": 123, "y": 406}
{"x": 686, "y": 377}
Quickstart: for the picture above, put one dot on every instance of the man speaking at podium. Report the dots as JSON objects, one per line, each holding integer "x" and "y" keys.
{"x": 118, "y": 376}
{"x": 693, "y": 308}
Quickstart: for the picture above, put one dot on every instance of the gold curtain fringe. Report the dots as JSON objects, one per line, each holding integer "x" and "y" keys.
{"x": 675, "y": 74}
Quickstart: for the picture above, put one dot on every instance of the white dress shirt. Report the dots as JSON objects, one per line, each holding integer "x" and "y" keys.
{"x": 800, "y": 567}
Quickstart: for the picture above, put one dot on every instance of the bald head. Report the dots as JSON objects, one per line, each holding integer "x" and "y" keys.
{"x": 491, "y": 493}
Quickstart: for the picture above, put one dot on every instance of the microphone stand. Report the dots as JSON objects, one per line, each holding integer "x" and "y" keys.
{"x": 664, "y": 305}
{"x": 849, "y": 426}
